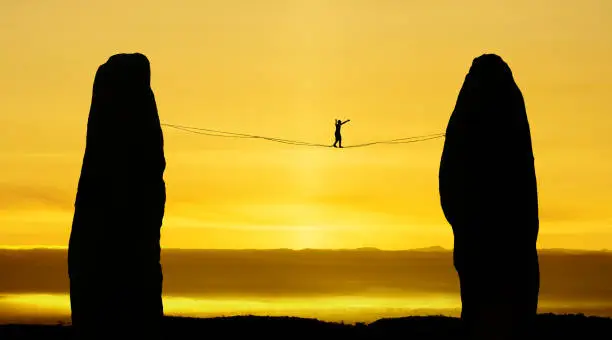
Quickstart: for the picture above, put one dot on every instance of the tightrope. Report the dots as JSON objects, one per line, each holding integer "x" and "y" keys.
{"x": 218, "y": 133}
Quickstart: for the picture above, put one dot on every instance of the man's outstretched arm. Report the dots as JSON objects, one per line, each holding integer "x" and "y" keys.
{"x": 346, "y": 121}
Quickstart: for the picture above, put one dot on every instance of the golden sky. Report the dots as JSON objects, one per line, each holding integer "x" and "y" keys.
{"x": 287, "y": 69}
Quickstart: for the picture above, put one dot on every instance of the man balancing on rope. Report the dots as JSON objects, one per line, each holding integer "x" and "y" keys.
{"x": 337, "y": 134}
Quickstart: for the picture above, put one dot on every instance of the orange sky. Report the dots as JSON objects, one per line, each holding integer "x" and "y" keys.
{"x": 288, "y": 69}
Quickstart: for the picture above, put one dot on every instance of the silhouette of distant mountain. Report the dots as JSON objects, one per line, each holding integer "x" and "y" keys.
{"x": 430, "y": 248}
{"x": 572, "y": 251}
{"x": 548, "y": 326}
{"x": 433, "y": 248}
{"x": 368, "y": 249}
{"x": 579, "y": 281}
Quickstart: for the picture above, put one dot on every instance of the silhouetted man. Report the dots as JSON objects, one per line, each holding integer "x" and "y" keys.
{"x": 488, "y": 193}
{"x": 337, "y": 134}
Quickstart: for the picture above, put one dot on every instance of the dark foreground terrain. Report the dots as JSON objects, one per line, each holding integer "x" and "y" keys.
{"x": 549, "y": 326}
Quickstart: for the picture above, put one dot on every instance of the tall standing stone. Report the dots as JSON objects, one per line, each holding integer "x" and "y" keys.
{"x": 488, "y": 193}
{"x": 114, "y": 248}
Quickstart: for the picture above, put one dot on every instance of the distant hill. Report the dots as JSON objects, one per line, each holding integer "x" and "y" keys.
{"x": 361, "y": 249}
{"x": 378, "y": 283}
{"x": 573, "y": 251}
{"x": 569, "y": 276}
{"x": 432, "y": 248}
{"x": 549, "y": 326}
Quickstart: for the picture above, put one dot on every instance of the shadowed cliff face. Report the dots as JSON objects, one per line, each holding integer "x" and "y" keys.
{"x": 114, "y": 248}
{"x": 489, "y": 196}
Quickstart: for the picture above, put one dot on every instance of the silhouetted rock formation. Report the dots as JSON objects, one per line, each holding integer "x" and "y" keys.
{"x": 114, "y": 249}
{"x": 488, "y": 194}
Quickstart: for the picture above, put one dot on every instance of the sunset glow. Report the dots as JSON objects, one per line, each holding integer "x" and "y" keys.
{"x": 287, "y": 69}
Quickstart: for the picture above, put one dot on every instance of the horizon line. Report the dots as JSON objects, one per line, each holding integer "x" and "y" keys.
{"x": 429, "y": 248}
